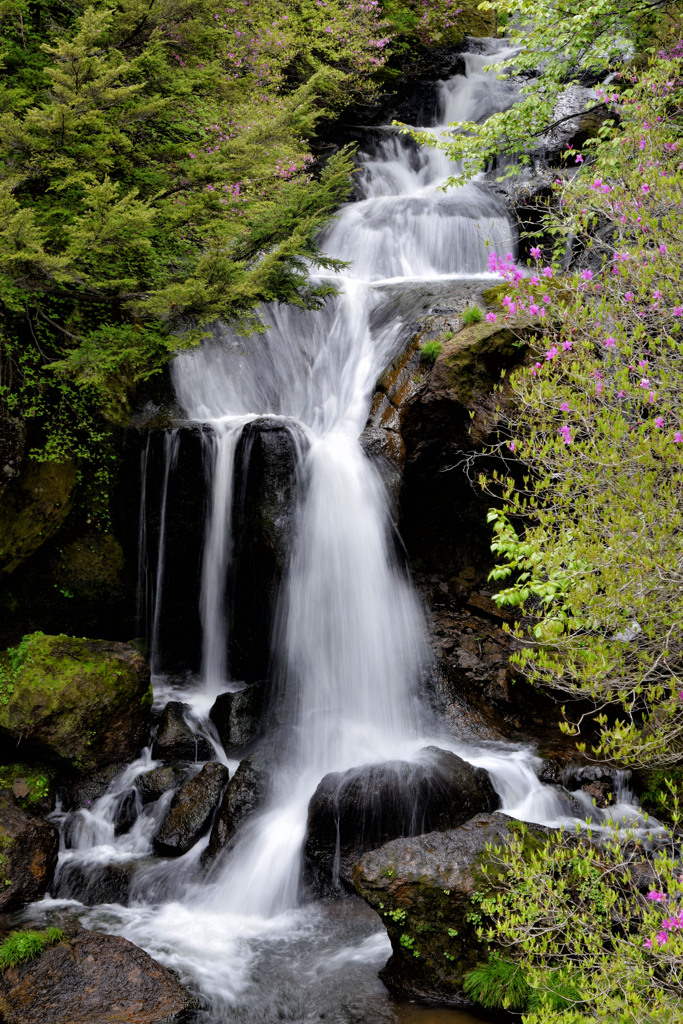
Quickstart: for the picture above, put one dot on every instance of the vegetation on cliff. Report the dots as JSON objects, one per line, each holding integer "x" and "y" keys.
{"x": 587, "y": 519}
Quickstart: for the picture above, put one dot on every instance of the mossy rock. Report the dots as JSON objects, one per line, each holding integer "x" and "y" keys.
{"x": 34, "y": 506}
{"x": 422, "y": 887}
{"x": 75, "y": 703}
{"x": 470, "y": 364}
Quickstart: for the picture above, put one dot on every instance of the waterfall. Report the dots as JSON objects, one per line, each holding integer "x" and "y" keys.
{"x": 347, "y": 648}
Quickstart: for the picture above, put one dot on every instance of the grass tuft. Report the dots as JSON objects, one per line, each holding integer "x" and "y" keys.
{"x": 473, "y": 315}
{"x": 430, "y": 351}
{"x": 19, "y": 947}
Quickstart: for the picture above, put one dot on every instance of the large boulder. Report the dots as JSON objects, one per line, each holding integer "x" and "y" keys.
{"x": 28, "y": 854}
{"x": 77, "y": 703}
{"x": 422, "y": 888}
{"x": 360, "y": 809}
{"x": 93, "y": 979}
{"x": 189, "y": 815}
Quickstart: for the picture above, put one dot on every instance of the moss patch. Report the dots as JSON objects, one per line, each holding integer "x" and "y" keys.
{"x": 75, "y": 701}
{"x": 472, "y": 361}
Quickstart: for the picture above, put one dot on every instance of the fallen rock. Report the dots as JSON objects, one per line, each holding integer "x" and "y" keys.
{"x": 28, "y": 854}
{"x": 189, "y": 815}
{"x": 360, "y": 809}
{"x": 175, "y": 740}
{"x": 77, "y": 703}
{"x": 238, "y": 715}
{"x": 93, "y": 979}
{"x": 422, "y": 888}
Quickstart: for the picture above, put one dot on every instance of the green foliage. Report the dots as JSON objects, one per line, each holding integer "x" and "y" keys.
{"x": 154, "y": 176}
{"x": 430, "y": 350}
{"x": 34, "y": 782}
{"x": 569, "y": 41}
{"x": 588, "y": 535}
{"x": 498, "y": 984}
{"x": 19, "y": 947}
{"x": 473, "y": 315}
{"x": 572, "y": 917}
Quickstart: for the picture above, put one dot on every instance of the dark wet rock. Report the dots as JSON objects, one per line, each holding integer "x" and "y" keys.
{"x": 85, "y": 790}
{"x": 153, "y": 784}
{"x": 360, "y": 809}
{"x": 77, "y": 703}
{"x": 175, "y": 492}
{"x": 381, "y": 438}
{"x": 93, "y": 979}
{"x": 175, "y": 740}
{"x": 28, "y": 854}
{"x": 238, "y": 715}
{"x": 422, "y": 888}
{"x": 529, "y": 198}
{"x": 473, "y": 683}
{"x": 191, "y": 810}
{"x": 267, "y": 456}
{"x": 92, "y": 884}
{"x": 126, "y": 812}
{"x": 244, "y": 794}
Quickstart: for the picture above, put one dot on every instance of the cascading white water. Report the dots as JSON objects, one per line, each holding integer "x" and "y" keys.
{"x": 221, "y": 444}
{"x": 351, "y": 652}
{"x": 349, "y": 641}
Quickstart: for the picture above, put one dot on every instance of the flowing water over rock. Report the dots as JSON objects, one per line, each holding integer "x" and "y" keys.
{"x": 346, "y": 658}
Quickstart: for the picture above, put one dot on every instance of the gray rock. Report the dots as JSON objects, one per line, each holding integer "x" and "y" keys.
{"x": 158, "y": 781}
{"x": 189, "y": 815}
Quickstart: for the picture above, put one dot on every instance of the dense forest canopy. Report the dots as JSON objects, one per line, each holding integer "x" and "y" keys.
{"x": 156, "y": 173}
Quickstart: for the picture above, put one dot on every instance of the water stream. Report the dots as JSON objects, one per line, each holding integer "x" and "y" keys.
{"x": 348, "y": 648}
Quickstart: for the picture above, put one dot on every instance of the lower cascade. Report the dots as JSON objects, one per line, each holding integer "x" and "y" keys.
{"x": 304, "y": 619}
